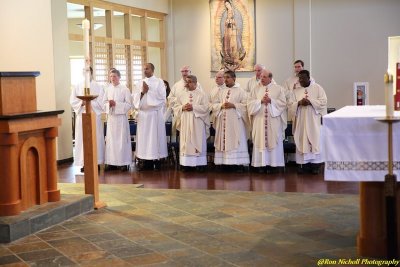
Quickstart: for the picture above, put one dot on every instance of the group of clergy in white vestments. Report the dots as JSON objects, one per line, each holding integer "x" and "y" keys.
{"x": 258, "y": 112}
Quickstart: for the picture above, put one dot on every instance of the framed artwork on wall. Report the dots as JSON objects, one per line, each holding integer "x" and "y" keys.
{"x": 232, "y": 35}
{"x": 360, "y": 93}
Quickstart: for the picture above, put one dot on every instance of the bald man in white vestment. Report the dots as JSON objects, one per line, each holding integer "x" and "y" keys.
{"x": 253, "y": 82}
{"x": 79, "y": 108}
{"x": 307, "y": 105}
{"x": 179, "y": 86}
{"x": 117, "y": 102}
{"x": 266, "y": 107}
{"x": 219, "y": 84}
{"x": 149, "y": 99}
{"x": 192, "y": 121}
{"x": 176, "y": 89}
{"x": 230, "y": 120}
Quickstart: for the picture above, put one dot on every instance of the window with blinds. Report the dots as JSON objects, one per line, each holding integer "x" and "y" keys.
{"x": 121, "y": 37}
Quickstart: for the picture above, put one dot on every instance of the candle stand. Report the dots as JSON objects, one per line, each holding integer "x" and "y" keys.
{"x": 390, "y": 188}
{"x": 90, "y": 151}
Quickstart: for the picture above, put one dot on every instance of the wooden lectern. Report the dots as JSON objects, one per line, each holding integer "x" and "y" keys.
{"x": 28, "y": 169}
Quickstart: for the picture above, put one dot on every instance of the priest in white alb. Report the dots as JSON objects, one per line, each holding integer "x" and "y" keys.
{"x": 230, "y": 123}
{"x": 307, "y": 105}
{"x": 149, "y": 99}
{"x": 117, "y": 102}
{"x": 266, "y": 107}
{"x": 219, "y": 84}
{"x": 192, "y": 121}
{"x": 79, "y": 107}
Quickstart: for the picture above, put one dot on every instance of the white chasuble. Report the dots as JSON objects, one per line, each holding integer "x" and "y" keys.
{"x": 267, "y": 125}
{"x": 193, "y": 126}
{"x": 307, "y": 122}
{"x": 230, "y": 127}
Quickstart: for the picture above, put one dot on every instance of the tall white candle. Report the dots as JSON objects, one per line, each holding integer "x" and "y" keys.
{"x": 389, "y": 99}
{"x": 86, "y": 27}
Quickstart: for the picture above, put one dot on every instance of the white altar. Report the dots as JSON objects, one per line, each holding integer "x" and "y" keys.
{"x": 356, "y": 144}
{"x": 356, "y": 149}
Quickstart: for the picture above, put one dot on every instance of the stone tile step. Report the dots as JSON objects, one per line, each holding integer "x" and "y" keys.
{"x": 43, "y": 216}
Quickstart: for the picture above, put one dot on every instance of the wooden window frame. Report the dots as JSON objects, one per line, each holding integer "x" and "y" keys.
{"x": 131, "y": 46}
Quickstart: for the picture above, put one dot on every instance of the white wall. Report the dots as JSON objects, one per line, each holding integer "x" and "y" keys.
{"x": 27, "y": 44}
{"x": 62, "y": 76}
{"x": 189, "y": 39}
{"x": 350, "y": 44}
{"x": 341, "y": 41}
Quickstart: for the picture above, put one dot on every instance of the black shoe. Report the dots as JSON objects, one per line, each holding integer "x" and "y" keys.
{"x": 139, "y": 164}
{"x": 201, "y": 168}
{"x": 140, "y": 167}
{"x": 157, "y": 165}
{"x": 300, "y": 169}
{"x": 124, "y": 168}
{"x": 110, "y": 168}
{"x": 315, "y": 169}
{"x": 83, "y": 168}
{"x": 239, "y": 168}
{"x": 268, "y": 170}
{"x": 308, "y": 167}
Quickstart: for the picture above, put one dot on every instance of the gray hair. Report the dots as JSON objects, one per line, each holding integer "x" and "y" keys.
{"x": 220, "y": 72}
{"x": 259, "y": 65}
{"x": 192, "y": 77}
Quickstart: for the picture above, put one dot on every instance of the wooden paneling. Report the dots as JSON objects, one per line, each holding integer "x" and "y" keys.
{"x": 17, "y": 95}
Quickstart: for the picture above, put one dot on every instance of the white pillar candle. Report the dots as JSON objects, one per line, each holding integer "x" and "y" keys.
{"x": 389, "y": 99}
{"x": 86, "y": 27}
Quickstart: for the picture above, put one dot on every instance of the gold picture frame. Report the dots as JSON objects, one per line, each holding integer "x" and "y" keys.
{"x": 232, "y": 35}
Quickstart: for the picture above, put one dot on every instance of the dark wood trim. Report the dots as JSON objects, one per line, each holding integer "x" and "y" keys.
{"x": 31, "y": 114}
{"x": 19, "y": 73}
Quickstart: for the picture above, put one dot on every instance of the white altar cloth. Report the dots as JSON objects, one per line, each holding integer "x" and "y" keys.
{"x": 356, "y": 144}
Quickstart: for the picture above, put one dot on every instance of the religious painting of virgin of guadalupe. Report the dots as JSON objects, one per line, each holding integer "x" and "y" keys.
{"x": 232, "y": 35}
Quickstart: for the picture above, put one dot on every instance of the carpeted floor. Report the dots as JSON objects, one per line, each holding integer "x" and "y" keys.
{"x": 158, "y": 227}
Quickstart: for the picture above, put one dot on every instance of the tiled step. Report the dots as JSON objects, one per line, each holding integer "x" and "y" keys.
{"x": 43, "y": 216}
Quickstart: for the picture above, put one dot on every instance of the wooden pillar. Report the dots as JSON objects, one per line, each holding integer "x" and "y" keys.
{"x": 10, "y": 202}
{"x": 371, "y": 240}
{"x": 90, "y": 152}
{"x": 52, "y": 192}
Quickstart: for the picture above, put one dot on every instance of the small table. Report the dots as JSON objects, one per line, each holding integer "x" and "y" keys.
{"x": 356, "y": 150}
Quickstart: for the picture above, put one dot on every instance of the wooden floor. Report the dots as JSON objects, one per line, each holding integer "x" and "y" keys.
{"x": 169, "y": 178}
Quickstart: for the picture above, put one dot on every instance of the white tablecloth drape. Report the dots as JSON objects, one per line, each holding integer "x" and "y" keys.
{"x": 356, "y": 144}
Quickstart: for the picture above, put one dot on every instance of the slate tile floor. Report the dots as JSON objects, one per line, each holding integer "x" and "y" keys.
{"x": 168, "y": 227}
